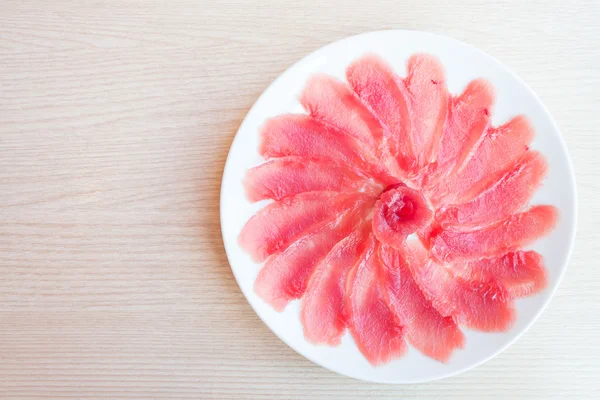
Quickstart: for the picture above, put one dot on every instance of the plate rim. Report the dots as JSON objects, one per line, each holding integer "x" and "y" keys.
{"x": 571, "y": 172}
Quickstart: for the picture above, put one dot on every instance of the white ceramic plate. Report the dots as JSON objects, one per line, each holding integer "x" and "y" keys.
{"x": 462, "y": 64}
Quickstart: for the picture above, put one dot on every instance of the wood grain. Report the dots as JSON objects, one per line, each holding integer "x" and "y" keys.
{"x": 115, "y": 122}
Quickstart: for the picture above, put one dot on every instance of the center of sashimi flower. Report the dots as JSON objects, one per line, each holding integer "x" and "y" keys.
{"x": 400, "y": 211}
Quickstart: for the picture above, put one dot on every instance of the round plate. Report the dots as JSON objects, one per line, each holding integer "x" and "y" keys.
{"x": 462, "y": 63}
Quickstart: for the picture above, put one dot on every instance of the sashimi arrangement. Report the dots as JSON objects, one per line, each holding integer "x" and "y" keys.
{"x": 398, "y": 212}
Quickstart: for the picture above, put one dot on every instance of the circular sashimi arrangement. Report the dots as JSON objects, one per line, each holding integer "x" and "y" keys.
{"x": 398, "y": 211}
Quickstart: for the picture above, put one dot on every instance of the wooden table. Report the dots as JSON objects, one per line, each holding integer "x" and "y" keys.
{"x": 115, "y": 122}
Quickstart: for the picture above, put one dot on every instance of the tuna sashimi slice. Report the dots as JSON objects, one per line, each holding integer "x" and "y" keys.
{"x": 521, "y": 273}
{"x": 376, "y": 332}
{"x": 431, "y": 333}
{"x": 303, "y": 136}
{"x": 399, "y": 212}
{"x": 479, "y": 305}
{"x": 331, "y": 101}
{"x": 467, "y": 120}
{"x": 279, "y": 178}
{"x": 515, "y": 231}
{"x": 426, "y": 84}
{"x": 384, "y": 94}
{"x": 498, "y": 150}
{"x": 285, "y": 275}
{"x": 508, "y": 195}
{"x": 275, "y": 226}
{"x": 322, "y": 314}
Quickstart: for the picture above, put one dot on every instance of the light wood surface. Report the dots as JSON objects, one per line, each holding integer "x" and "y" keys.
{"x": 115, "y": 122}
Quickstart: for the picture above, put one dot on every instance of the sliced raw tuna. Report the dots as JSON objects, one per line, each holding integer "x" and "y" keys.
{"x": 285, "y": 275}
{"x": 378, "y": 160}
{"x": 521, "y": 273}
{"x": 431, "y": 333}
{"x": 385, "y": 96}
{"x": 479, "y": 305}
{"x": 515, "y": 231}
{"x": 426, "y": 84}
{"x": 498, "y": 150}
{"x": 376, "y": 332}
{"x": 283, "y": 177}
{"x": 331, "y": 101}
{"x": 303, "y": 136}
{"x": 506, "y": 196}
{"x": 322, "y": 314}
{"x": 467, "y": 120}
{"x": 274, "y": 227}
{"x": 399, "y": 212}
